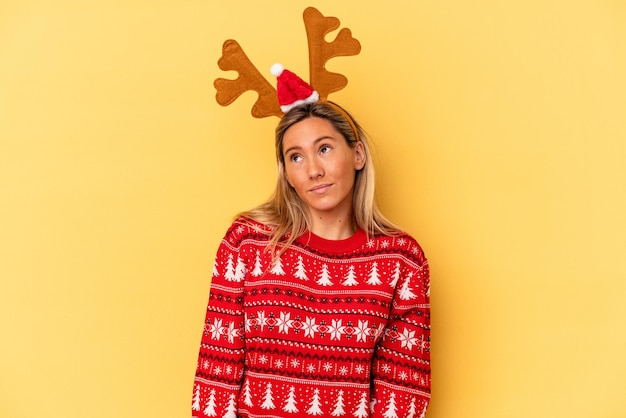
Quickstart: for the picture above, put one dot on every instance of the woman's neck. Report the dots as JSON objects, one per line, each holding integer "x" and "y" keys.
{"x": 333, "y": 228}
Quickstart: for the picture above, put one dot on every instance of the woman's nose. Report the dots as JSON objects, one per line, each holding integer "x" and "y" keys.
{"x": 316, "y": 170}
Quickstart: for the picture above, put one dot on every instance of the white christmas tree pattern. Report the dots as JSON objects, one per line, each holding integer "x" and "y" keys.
{"x": 411, "y": 412}
{"x": 231, "y": 408}
{"x": 350, "y": 279}
{"x": 258, "y": 270}
{"x": 247, "y": 395}
{"x": 362, "y": 409}
{"x": 339, "y": 405}
{"x": 300, "y": 270}
{"x": 209, "y": 410}
{"x": 392, "y": 409}
{"x": 290, "y": 403}
{"x": 374, "y": 277}
{"x": 268, "y": 400}
{"x": 395, "y": 276}
{"x": 196, "y": 399}
{"x": 314, "y": 406}
{"x": 423, "y": 414}
{"x": 324, "y": 279}
{"x": 240, "y": 270}
{"x": 230, "y": 269}
{"x": 406, "y": 292}
{"x": 236, "y": 269}
{"x": 277, "y": 268}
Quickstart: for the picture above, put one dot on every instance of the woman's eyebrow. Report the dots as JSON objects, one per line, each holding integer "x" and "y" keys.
{"x": 298, "y": 147}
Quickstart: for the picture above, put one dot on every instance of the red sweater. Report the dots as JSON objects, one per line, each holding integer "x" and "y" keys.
{"x": 331, "y": 329}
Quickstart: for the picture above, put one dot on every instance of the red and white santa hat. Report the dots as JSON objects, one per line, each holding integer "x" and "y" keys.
{"x": 292, "y": 91}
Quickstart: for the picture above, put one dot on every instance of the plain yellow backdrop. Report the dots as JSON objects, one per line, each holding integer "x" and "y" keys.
{"x": 500, "y": 137}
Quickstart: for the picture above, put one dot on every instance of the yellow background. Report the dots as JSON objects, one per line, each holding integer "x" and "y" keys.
{"x": 501, "y": 144}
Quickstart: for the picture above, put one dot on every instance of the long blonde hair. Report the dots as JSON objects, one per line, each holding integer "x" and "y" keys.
{"x": 284, "y": 212}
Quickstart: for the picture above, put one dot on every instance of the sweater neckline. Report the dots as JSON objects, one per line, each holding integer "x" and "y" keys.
{"x": 345, "y": 245}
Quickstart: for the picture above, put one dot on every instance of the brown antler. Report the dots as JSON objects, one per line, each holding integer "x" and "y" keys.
{"x": 320, "y": 51}
{"x": 233, "y": 58}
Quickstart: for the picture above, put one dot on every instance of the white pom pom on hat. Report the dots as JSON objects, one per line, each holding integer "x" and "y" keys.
{"x": 292, "y": 91}
{"x": 277, "y": 69}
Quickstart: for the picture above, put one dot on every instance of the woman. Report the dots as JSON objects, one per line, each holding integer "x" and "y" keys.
{"x": 318, "y": 305}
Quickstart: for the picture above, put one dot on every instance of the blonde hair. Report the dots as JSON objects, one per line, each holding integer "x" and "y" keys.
{"x": 284, "y": 212}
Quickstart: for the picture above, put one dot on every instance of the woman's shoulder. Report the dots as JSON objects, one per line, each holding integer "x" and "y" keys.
{"x": 244, "y": 227}
{"x": 399, "y": 242}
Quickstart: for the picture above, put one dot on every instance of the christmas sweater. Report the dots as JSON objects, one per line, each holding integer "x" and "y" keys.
{"x": 328, "y": 329}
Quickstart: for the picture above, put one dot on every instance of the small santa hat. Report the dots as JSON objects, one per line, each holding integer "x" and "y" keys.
{"x": 292, "y": 90}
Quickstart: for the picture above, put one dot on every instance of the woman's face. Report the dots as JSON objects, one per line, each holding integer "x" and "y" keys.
{"x": 321, "y": 167}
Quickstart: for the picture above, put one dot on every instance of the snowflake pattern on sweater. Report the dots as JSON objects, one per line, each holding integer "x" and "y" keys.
{"x": 329, "y": 329}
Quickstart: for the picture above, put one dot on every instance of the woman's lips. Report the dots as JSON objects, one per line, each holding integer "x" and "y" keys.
{"x": 320, "y": 188}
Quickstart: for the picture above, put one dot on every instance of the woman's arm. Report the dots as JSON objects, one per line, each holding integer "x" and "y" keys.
{"x": 401, "y": 366}
{"x": 219, "y": 370}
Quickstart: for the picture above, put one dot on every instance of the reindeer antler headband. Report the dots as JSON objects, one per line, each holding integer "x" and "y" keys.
{"x": 291, "y": 89}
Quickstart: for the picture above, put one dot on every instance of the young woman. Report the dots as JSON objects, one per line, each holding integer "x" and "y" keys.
{"x": 319, "y": 306}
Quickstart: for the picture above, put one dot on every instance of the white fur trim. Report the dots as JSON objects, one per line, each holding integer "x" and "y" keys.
{"x": 314, "y": 97}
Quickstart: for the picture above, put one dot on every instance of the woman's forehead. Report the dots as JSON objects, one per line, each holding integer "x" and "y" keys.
{"x": 308, "y": 132}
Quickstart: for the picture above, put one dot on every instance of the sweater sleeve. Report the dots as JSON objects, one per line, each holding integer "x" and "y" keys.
{"x": 219, "y": 371}
{"x": 401, "y": 365}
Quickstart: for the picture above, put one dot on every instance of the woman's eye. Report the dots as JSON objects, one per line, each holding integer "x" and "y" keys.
{"x": 294, "y": 158}
{"x": 325, "y": 149}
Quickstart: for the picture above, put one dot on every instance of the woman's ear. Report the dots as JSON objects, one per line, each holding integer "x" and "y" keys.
{"x": 359, "y": 156}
